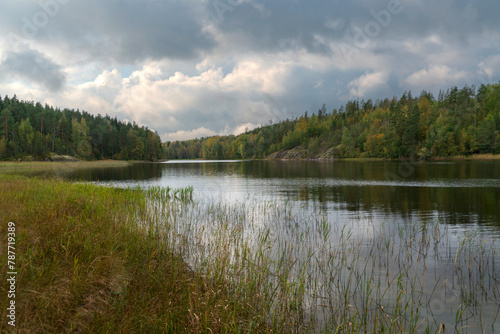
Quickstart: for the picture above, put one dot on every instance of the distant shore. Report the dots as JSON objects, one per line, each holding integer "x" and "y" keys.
{"x": 288, "y": 155}
{"x": 327, "y": 155}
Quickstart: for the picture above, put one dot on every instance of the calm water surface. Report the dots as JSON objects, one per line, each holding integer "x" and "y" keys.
{"x": 465, "y": 193}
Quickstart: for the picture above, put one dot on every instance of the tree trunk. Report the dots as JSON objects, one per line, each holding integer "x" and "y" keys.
{"x": 53, "y": 135}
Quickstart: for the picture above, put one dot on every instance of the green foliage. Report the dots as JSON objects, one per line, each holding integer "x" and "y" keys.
{"x": 459, "y": 122}
{"x": 32, "y": 130}
{"x": 348, "y": 145}
{"x": 3, "y": 148}
{"x": 134, "y": 147}
{"x": 212, "y": 148}
{"x": 486, "y": 136}
{"x": 411, "y": 131}
{"x": 6, "y": 122}
{"x": 292, "y": 139}
{"x": 26, "y": 135}
{"x": 81, "y": 138}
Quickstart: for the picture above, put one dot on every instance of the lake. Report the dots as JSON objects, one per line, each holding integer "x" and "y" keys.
{"x": 464, "y": 193}
{"x": 430, "y": 227}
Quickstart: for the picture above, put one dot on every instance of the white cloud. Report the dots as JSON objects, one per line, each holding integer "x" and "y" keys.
{"x": 239, "y": 129}
{"x": 185, "y": 135}
{"x": 183, "y": 105}
{"x": 363, "y": 85}
{"x": 435, "y": 76}
{"x": 490, "y": 67}
{"x": 204, "y": 132}
{"x": 259, "y": 75}
{"x": 107, "y": 79}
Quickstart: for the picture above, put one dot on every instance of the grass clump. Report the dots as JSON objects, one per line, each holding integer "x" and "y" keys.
{"x": 89, "y": 260}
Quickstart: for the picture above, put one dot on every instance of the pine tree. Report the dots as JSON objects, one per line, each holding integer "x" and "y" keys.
{"x": 7, "y": 123}
{"x": 26, "y": 136}
{"x": 81, "y": 138}
{"x": 411, "y": 131}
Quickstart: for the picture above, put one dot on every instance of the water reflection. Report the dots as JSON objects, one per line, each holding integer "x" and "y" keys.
{"x": 452, "y": 192}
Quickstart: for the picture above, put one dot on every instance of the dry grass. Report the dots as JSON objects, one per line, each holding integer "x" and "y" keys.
{"x": 85, "y": 265}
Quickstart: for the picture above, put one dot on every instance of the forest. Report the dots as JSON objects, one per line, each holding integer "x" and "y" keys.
{"x": 458, "y": 122}
{"x": 29, "y": 130}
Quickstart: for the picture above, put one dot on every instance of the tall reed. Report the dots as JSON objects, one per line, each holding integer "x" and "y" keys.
{"x": 308, "y": 273}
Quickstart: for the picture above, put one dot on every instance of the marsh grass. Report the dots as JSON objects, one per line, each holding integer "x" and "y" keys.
{"x": 306, "y": 273}
{"x": 7, "y": 165}
{"x": 85, "y": 265}
{"x": 97, "y": 259}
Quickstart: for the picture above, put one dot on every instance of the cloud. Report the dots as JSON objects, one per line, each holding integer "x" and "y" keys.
{"x": 185, "y": 135}
{"x": 33, "y": 67}
{"x": 435, "y": 76}
{"x": 489, "y": 68}
{"x": 210, "y": 99}
{"x": 242, "y": 128}
{"x": 204, "y": 132}
{"x": 365, "y": 84}
{"x": 181, "y": 68}
{"x": 113, "y": 31}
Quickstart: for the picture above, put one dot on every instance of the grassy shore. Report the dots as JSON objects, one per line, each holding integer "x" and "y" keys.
{"x": 8, "y": 165}
{"x": 85, "y": 265}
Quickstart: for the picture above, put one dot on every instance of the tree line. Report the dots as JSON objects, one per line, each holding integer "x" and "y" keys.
{"x": 28, "y": 129}
{"x": 458, "y": 122}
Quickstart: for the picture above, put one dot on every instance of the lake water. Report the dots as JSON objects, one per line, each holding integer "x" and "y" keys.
{"x": 402, "y": 199}
{"x": 462, "y": 194}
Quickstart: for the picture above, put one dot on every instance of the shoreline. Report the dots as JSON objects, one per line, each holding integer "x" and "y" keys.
{"x": 299, "y": 154}
{"x": 40, "y": 164}
{"x": 474, "y": 157}
{"x": 8, "y": 165}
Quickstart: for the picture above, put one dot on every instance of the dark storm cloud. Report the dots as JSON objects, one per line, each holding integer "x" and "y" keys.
{"x": 118, "y": 31}
{"x": 133, "y": 30}
{"x": 34, "y": 67}
{"x": 279, "y": 24}
{"x": 130, "y": 31}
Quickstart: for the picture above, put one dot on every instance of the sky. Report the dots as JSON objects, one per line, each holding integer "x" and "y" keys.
{"x": 196, "y": 68}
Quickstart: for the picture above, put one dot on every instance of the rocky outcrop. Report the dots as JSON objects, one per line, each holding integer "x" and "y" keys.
{"x": 299, "y": 153}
